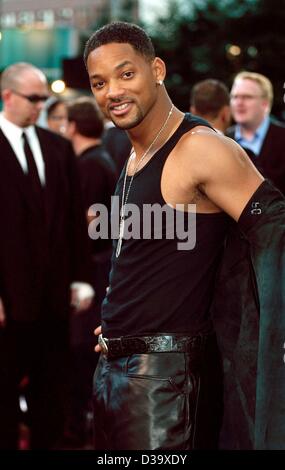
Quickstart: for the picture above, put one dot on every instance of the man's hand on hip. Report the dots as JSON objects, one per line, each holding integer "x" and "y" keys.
{"x": 2, "y": 314}
{"x": 97, "y": 332}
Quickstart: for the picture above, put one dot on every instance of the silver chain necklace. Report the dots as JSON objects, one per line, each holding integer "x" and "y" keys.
{"x": 125, "y": 194}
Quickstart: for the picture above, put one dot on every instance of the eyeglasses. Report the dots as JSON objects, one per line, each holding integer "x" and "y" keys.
{"x": 32, "y": 98}
{"x": 57, "y": 118}
{"x": 246, "y": 97}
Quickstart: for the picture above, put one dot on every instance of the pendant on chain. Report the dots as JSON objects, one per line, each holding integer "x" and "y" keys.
{"x": 120, "y": 239}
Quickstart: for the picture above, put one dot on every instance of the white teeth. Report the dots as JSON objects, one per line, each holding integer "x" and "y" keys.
{"x": 120, "y": 107}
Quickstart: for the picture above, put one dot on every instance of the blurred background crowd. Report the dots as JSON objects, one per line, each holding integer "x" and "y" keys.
{"x": 197, "y": 39}
{"x": 224, "y": 63}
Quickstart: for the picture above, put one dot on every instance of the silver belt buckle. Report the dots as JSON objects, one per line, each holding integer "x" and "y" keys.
{"x": 103, "y": 344}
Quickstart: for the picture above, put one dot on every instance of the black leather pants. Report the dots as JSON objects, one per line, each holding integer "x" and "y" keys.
{"x": 170, "y": 401}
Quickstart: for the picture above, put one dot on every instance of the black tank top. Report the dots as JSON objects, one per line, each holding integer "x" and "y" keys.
{"x": 154, "y": 287}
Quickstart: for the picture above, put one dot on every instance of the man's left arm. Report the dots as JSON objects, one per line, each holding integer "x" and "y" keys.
{"x": 234, "y": 185}
{"x": 225, "y": 173}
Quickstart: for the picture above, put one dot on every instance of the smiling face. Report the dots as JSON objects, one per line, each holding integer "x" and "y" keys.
{"x": 123, "y": 82}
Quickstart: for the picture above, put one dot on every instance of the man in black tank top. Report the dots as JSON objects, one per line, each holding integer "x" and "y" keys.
{"x": 158, "y": 383}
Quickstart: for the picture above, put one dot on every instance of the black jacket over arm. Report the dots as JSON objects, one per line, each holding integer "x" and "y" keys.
{"x": 249, "y": 317}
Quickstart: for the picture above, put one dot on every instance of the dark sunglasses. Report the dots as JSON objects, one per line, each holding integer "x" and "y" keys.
{"x": 32, "y": 98}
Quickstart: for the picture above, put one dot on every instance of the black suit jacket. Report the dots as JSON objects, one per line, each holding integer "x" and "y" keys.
{"x": 271, "y": 160}
{"x": 41, "y": 256}
{"x": 118, "y": 145}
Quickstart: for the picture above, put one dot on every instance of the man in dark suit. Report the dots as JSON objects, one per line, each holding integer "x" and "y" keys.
{"x": 98, "y": 178}
{"x": 261, "y": 137}
{"x": 43, "y": 249}
{"x": 117, "y": 144}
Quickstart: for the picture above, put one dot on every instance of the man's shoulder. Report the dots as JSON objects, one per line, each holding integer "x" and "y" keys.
{"x": 51, "y": 136}
{"x": 275, "y": 139}
{"x": 203, "y": 152}
{"x": 230, "y": 132}
{"x": 56, "y": 149}
{"x": 202, "y": 138}
{"x": 96, "y": 157}
{"x": 277, "y": 126}
{"x": 193, "y": 120}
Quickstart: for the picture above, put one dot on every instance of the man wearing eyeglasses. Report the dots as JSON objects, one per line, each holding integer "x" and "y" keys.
{"x": 43, "y": 248}
{"x": 262, "y": 138}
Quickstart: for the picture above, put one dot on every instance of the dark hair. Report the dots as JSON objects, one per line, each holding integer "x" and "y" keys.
{"x": 209, "y": 96}
{"x": 121, "y": 32}
{"x": 87, "y": 117}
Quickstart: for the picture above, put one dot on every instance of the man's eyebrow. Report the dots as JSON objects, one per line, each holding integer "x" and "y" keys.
{"x": 117, "y": 67}
{"x": 120, "y": 66}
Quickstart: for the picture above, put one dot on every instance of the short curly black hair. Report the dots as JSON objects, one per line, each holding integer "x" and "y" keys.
{"x": 121, "y": 32}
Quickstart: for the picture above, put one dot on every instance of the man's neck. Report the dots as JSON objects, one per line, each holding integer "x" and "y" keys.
{"x": 13, "y": 120}
{"x": 80, "y": 143}
{"x": 142, "y": 139}
{"x": 217, "y": 123}
{"x": 248, "y": 130}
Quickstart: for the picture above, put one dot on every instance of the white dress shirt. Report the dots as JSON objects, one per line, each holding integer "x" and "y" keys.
{"x": 13, "y": 134}
{"x": 255, "y": 143}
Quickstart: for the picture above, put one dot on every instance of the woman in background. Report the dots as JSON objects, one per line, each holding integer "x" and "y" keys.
{"x": 56, "y": 115}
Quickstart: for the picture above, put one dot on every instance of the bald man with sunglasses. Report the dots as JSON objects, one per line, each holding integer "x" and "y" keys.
{"x": 43, "y": 249}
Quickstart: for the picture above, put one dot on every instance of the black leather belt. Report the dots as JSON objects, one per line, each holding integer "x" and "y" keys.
{"x": 127, "y": 345}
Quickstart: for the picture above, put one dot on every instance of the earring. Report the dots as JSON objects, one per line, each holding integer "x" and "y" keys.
{"x": 160, "y": 82}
